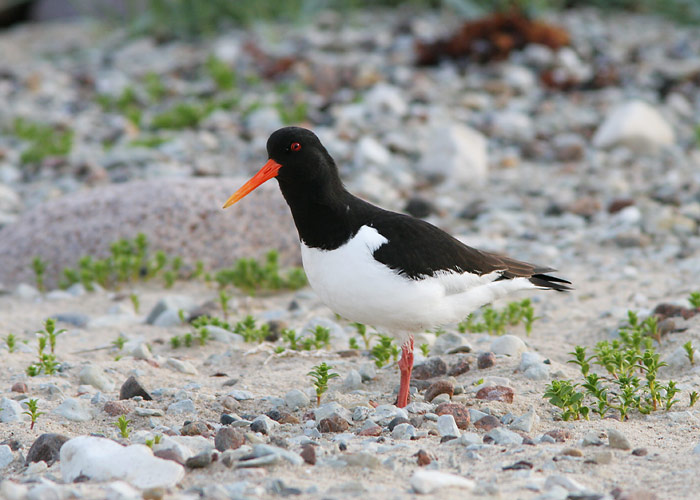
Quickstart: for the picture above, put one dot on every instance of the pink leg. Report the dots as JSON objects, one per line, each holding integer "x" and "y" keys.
{"x": 406, "y": 367}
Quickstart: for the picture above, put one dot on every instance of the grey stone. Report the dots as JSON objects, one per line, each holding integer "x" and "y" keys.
{"x": 46, "y": 448}
{"x": 636, "y": 125}
{"x": 504, "y": 436}
{"x": 95, "y": 377}
{"x": 296, "y": 399}
{"x": 361, "y": 413}
{"x": 361, "y": 459}
{"x": 327, "y": 410}
{"x": 448, "y": 342}
{"x": 447, "y": 426}
{"x": 263, "y": 424}
{"x": 73, "y": 409}
{"x": 456, "y": 152}
{"x": 403, "y": 431}
{"x": 509, "y": 345}
{"x": 241, "y": 395}
{"x": 6, "y": 456}
{"x": 181, "y": 407}
{"x": 11, "y": 411}
{"x": 426, "y": 481}
{"x": 526, "y": 422}
{"x": 181, "y": 366}
{"x": 618, "y": 440}
{"x": 132, "y": 388}
{"x": 352, "y": 381}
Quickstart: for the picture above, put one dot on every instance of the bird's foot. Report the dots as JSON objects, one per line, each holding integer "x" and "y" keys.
{"x": 406, "y": 367}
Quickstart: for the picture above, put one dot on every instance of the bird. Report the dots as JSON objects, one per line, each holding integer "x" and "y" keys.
{"x": 385, "y": 269}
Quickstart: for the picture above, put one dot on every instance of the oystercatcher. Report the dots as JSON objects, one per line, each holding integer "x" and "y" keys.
{"x": 377, "y": 267}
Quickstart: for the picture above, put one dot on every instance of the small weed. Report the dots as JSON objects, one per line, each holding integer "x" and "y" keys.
{"x": 44, "y": 140}
{"x": 384, "y": 350}
{"x": 321, "y": 374}
{"x": 425, "y": 349}
{"x": 11, "y": 342}
{"x": 182, "y": 115}
{"x": 33, "y": 412}
{"x": 563, "y": 394}
{"x": 250, "y": 332}
{"x": 479, "y": 382}
{"x": 634, "y": 331}
{"x": 495, "y": 321}
{"x": 362, "y": 331}
{"x": 251, "y": 276}
{"x": 693, "y": 398}
{"x": 127, "y": 104}
{"x": 352, "y": 343}
{"x": 119, "y": 342}
{"x": 689, "y": 352}
{"x": 175, "y": 342}
{"x": 39, "y": 268}
{"x": 223, "y": 301}
{"x": 46, "y": 362}
{"x": 293, "y": 113}
{"x": 155, "y": 88}
{"x": 188, "y": 339}
{"x": 123, "y": 425}
{"x": 135, "y": 302}
{"x": 149, "y": 443}
{"x": 202, "y": 335}
{"x": 50, "y": 333}
{"x": 694, "y": 300}
{"x": 150, "y": 142}
{"x": 221, "y": 73}
{"x": 157, "y": 438}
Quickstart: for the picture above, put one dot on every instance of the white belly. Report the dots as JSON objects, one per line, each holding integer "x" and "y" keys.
{"x": 353, "y": 284}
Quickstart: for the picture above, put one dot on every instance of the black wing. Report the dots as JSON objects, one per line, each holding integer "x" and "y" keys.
{"x": 417, "y": 249}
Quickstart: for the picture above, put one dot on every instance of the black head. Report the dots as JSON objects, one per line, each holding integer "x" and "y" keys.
{"x": 301, "y": 164}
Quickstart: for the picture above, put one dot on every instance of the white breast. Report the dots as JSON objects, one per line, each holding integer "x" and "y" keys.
{"x": 355, "y": 285}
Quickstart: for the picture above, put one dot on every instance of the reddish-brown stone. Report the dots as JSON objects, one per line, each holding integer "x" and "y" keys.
{"x": 439, "y": 387}
{"x": 457, "y": 410}
{"x": 496, "y": 393}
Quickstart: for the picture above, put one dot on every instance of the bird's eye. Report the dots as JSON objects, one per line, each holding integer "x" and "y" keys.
{"x": 295, "y": 146}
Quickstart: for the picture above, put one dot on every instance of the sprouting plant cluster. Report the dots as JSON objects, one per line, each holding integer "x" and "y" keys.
{"x": 384, "y": 348}
{"x": 495, "y": 321}
{"x": 694, "y": 300}
{"x": 46, "y": 361}
{"x": 33, "y": 412}
{"x": 626, "y": 379}
{"x": 128, "y": 261}
{"x": 251, "y": 276}
{"x": 321, "y": 374}
{"x": 43, "y": 140}
{"x": 319, "y": 338}
{"x": 11, "y": 342}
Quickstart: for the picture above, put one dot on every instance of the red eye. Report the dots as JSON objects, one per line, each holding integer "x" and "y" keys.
{"x": 295, "y": 146}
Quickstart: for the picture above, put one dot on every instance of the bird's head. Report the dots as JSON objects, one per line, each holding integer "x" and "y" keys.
{"x": 296, "y": 158}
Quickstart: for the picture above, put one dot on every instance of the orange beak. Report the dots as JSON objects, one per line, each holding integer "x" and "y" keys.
{"x": 267, "y": 172}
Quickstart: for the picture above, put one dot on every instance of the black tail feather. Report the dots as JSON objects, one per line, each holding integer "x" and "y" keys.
{"x": 551, "y": 282}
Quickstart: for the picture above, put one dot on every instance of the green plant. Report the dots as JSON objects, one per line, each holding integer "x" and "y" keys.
{"x": 291, "y": 336}
{"x": 635, "y": 330}
{"x": 202, "y": 335}
{"x": 495, "y": 321}
{"x": 693, "y": 398}
{"x": 223, "y": 301}
{"x": 135, "y": 302}
{"x": 251, "y": 276}
{"x": 155, "y": 88}
{"x": 11, "y": 342}
{"x": 157, "y": 438}
{"x": 694, "y": 300}
{"x": 150, "y": 142}
{"x": 127, "y": 104}
{"x": 39, "y": 268}
{"x": 175, "y": 342}
{"x": 123, "y": 425}
{"x": 221, "y": 73}
{"x": 425, "y": 349}
{"x": 563, "y": 394}
{"x": 362, "y": 331}
{"x": 250, "y": 332}
{"x": 292, "y": 113}
{"x": 44, "y": 140}
{"x": 188, "y": 339}
{"x": 33, "y": 412}
{"x": 689, "y": 352}
{"x": 182, "y": 115}
{"x": 352, "y": 343}
{"x": 321, "y": 374}
{"x": 384, "y": 350}
{"x": 119, "y": 342}
{"x": 45, "y": 362}
{"x": 50, "y": 333}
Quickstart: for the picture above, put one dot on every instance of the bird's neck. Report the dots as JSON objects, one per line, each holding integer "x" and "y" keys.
{"x": 323, "y": 214}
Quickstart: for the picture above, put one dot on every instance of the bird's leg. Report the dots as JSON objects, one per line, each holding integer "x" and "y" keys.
{"x": 406, "y": 367}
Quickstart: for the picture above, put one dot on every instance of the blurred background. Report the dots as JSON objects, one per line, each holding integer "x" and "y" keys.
{"x": 567, "y": 121}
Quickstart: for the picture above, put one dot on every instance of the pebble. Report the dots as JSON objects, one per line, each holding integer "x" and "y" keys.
{"x": 74, "y": 410}
{"x": 328, "y": 410}
{"x": 10, "y": 411}
{"x": 455, "y": 152}
{"x": 200, "y": 460}
{"x": 459, "y": 412}
{"x": 572, "y": 452}
{"x": 240, "y": 395}
{"x": 403, "y": 431}
{"x": 181, "y": 366}
{"x": 197, "y": 428}
{"x": 371, "y": 430}
{"x": 263, "y": 424}
{"x": 487, "y": 423}
{"x": 496, "y": 393}
{"x": 504, "y": 436}
{"x": 46, "y": 448}
{"x": 459, "y": 368}
{"x": 296, "y": 399}
{"x": 132, "y": 388}
{"x": 6, "y": 456}
{"x": 636, "y": 125}
{"x": 618, "y": 440}
{"x": 508, "y": 345}
{"x": 334, "y": 423}
{"x": 100, "y": 459}
{"x": 396, "y": 421}
{"x": 20, "y": 387}
{"x": 447, "y": 426}
{"x": 181, "y": 407}
{"x": 95, "y": 376}
{"x": 228, "y": 438}
{"x": 173, "y": 304}
{"x": 526, "y": 422}
{"x": 361, "y": 459}
{"x": 449, "y": 342}
{"x": 439, "y": 387}
{"x": 308, "y": 453}
{"x": 432, "y": 367}
{"x": 425, "y": 481}
{"x": 602, "y": 457}
{"x": 148, "y": 412}
{"x": 352, "y": 381}
{"x": 116, "y": 408}
{"x": 485, "y": 360}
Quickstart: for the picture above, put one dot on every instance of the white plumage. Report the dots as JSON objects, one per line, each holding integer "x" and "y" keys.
{"x": 353, "y": 284}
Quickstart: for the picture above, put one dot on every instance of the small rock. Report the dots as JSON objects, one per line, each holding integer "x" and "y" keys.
{"x": 95, "y": 376}
{"x": 74, "y": 410}
{"x": 132, "y": 388}
{"x": 46, "y": 448}
{"x": 372, "y": 430}
{"x": 334, "y": 423}
{"x": 115, "y": 408}
{"x": 426, "y": 481}
{"x": 308, "y": 453}
{"x": 6, "y": 456}
{"x": 352, "y": 381}
{"x": 171, "y": 303}
{"x": 487, "y": 423}
{"x": 636, "y": 125}
{"x": 423, "y": 458}
{"x": 20, "y": 387}
{"x": 459, "y": 412}
{"x": 403, "y": 431}
{"x": 504, "y": 436}
{"x": 496, "y": 393}
{"x": 197, "y": 428}
{"x": 296, "y": 399}
{"x": 327, "y": 410}
{"x": 101, "y": 459}
{"x": 439, "y": 387}
{"x": 508, "y": 345}
{"x": 526, "y": 422}
{"x": 640, "y": 452}
{"x": 457, "y": 153}
{"x": 572, "y": 452}
{"x": 229, "y": 438}
{"x": 263, "y": 424}
{"x": 592, "y": 439}
{"x": 602, "y": 457}
{"x": 180, "y": 407}
{"x": 10, "y": 411}
{"x": 240, "y": 395}
{"x": 181, "y": 366}
{"x": 397, "y": 421}
{"x": 485, "y": 360}
{"x": 200, "y": 460}
{"x": 361, "y": 459}
{"x": 141, "y": 351}
{"x": 559, "y": 435}
{"x": 432, "y": 367}
{"x": 565, "y": 482}
{"x": 618, "y": 440}
{"x": 450, "y": 342}
{"x": 447, "y": 426}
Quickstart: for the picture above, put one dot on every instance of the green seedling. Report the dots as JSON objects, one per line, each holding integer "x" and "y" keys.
{"x": 149, "y": 141}
{"x": 693, "y": 398}
{"x": 123, "y": 425}
{"x": 198, "y": 270}
{"x": 384, "y": 350}
{"x": 291, "y": 336}
{"x": 425, "y": 349}
{"x": 39, "y": 268}
{"x": 33, "y": 412}
{"x": 279, "y": 349}
{"x": 479, "y": 382}
{"x": 175, "y": 342}
{"x": 149, "y": 443}
{"x": 671, "y": 391}
{"x": 495, "y": 321}
{"x": 11, "y": 342}
{"x": 250, "y": 332}
{"x": 44, "y": 140}
{"x": 321, "y": 374}
{"x": 50, "y": 333}
{"x": 188, "y": 339}
{"x": 157, "y": 438}
{"x": 439, "y": 331}
{"x": 322, "y": 337}
{"x": 563, "y": 394}
{"x": 694, "y": 300}
{"x": 689, "y": 352}
{"x": 352, "y": 343}
{"x": 202, "y": 335}
{"x": 223, "y": 301}
{"x": 169, "y": 277}
{"x": 362, "y": 331}
{"x": 119, "y": 342}
{"x": 135, "y": 302}
{"x": 155, "y": 88}
{"x": 221, "y": 73}
{"x": 251, "y": 276}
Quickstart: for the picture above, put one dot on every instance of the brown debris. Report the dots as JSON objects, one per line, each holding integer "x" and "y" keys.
{"x": 492, "y": 38}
